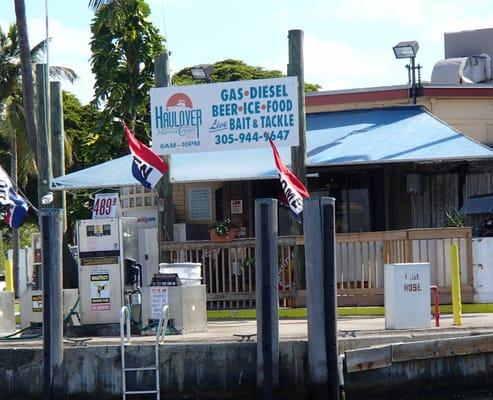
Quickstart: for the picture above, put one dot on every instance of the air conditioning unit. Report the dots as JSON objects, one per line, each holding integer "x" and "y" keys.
{"x": 472, "y": 69}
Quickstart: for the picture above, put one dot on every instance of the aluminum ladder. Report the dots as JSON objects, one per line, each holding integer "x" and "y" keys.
{"x": 125, "y": 340}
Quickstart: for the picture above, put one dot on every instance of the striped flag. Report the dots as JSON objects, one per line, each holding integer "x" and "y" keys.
{"x": 16, "y": 205}
{"x": 147, "y": 166}
{"x": 293, "y": 189}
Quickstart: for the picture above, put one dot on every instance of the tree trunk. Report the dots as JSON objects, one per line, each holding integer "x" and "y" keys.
{"x": 27, "y": 75}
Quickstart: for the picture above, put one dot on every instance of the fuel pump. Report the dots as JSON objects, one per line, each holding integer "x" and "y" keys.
{"x": 108, "y": 272}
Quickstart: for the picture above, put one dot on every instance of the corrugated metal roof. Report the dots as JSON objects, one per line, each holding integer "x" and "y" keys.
{"x": 378, "y": 135}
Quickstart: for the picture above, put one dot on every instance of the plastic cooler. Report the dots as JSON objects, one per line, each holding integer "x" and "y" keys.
{"x": 189, "y": 273}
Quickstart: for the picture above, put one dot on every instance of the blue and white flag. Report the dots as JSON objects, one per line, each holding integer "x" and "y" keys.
{"x": 147, "y": 166}
{"x": 16, "y": 205}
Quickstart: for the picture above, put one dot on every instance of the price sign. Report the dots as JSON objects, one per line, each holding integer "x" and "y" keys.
{"x": 106, "y": 205}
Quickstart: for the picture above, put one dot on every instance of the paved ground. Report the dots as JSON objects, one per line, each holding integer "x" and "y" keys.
{"x": 292, "y": 329}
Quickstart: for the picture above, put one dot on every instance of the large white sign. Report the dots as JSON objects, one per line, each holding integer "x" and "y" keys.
{"x": 225, "y": 116}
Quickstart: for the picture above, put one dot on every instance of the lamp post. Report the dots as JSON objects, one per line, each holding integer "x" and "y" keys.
{"x": 202, "y": 72}
{"x": 409, "y": 50}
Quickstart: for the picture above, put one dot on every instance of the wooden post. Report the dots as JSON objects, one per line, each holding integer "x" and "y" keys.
{"x": 57, "y": 144}
{"x": 321, "y": 288}
{"x": 51, "y": 236}
{"x": 166, "y": 211}
{"x": 267, "y": 299}
{"x": 44, "y": 148}
{"x": 298, "y": 154}
{"x": 296, "y": 68}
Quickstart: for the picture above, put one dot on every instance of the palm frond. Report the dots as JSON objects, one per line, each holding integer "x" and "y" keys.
{"x": 95, "y": 4}
{"x": 68, "y": 74}
{"x": 38, "y": 51}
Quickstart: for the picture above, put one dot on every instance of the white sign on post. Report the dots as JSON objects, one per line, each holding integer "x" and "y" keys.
{"x": 225, "y": 116}
{"x": 159, "y": 298}
{"x": 106, "y": 205}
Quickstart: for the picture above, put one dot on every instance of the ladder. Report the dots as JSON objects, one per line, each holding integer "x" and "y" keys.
{"x": 125, "y": 340}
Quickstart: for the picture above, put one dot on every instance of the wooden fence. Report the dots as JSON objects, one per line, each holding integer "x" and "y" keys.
{"x": 228, "y": 269}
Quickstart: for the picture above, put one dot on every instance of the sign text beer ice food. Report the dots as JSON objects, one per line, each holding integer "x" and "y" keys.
{"x": 225, "y": 116}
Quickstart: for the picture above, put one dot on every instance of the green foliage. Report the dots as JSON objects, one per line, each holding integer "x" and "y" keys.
{"x": 25, "y": 232}
{"x": 222, "y": 227}
{"x": 124, "y": 44}
{"x": 452, "y": 218}
{"x": 234, "y": 70}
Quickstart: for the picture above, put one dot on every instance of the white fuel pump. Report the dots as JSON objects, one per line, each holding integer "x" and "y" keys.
{"x": 108, "y": 248}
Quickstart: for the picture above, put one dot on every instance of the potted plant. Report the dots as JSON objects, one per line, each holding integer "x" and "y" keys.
{"x": 222, "y": 231}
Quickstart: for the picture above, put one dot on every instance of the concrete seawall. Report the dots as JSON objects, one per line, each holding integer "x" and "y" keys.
{"x": 219, "y": 370}
{"x": 392, "y": 365}
{"x": 452, "y": 365}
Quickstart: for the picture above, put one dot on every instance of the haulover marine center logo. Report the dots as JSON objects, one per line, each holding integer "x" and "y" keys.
{"x": 178, "y": 117}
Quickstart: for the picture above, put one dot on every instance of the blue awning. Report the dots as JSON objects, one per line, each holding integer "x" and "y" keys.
{"x": 478, "y": 205}
{"x": 369, "y": 136}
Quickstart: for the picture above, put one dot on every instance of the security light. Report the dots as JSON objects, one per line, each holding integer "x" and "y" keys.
{"x": 406, "y": 49}
{"x": 202, "y": 72}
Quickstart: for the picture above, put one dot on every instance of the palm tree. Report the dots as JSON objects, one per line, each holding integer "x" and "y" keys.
{"x": 15, "y": 118}
{"x": 124, "y": 44}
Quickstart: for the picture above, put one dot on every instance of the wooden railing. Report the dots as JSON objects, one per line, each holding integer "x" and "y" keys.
{"x": 228, "y": 269}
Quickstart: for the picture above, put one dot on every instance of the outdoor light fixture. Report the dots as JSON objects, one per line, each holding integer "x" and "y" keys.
{"x": 202, "y": 72}
{"x": 408, "y": 50}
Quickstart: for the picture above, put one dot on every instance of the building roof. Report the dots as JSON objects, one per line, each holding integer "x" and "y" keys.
{"x": 369, "y": 136}
{"x": 395, "y": 93}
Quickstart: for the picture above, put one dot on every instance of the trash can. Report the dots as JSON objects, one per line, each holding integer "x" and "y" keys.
{"x": 407, "y": 295}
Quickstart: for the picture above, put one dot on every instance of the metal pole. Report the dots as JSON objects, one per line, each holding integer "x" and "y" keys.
{"x": 44, "y": 148}
{"x": 57, "y": 144}
{"x": 413, "y": 84}
{"x": 166, "y": 211}
{"x": 456, "y": 295}
{"x": 267, "y": 300}
{"x": 51, "y": 235}
{"x": 321, "y": 297}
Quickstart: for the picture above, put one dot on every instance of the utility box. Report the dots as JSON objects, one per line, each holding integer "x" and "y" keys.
{"x": 407, "y": 295}
{"x": 187, "y": 306}
{"x": 7, "y": 319}
{"x": 32, "y": 306}
{"x": 482, "y": 268}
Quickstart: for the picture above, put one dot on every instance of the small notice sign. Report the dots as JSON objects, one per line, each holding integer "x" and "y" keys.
{"x": 106, "y": 205}
{"x": 236, "y": 206}
{"x": 100, "y": 292}
{"x": 159, "y": 298}
{"x": 37, "y": 301}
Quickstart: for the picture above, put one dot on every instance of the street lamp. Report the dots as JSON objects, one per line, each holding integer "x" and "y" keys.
{"x": 202, "y": 72}
{"x": 408, "y": 50}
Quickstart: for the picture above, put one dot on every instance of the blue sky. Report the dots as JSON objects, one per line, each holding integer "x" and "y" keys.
{"x": 348, "y": 44}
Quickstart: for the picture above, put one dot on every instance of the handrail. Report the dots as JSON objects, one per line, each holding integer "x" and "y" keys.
{"x": 125, "y": 323}
{"x": 162, "y": 326}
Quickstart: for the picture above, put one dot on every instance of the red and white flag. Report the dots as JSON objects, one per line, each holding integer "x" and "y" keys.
{"x": 147, "y": 166}
{"x": 293, "y": 189}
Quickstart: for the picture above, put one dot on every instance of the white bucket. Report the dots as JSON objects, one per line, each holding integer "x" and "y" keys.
{"x": 189, "y": 273}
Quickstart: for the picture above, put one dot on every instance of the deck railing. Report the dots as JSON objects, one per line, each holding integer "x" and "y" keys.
{"x": 228, "y": 269}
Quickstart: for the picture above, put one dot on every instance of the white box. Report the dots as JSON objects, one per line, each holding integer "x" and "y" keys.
{"x": 407, "y": 296}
